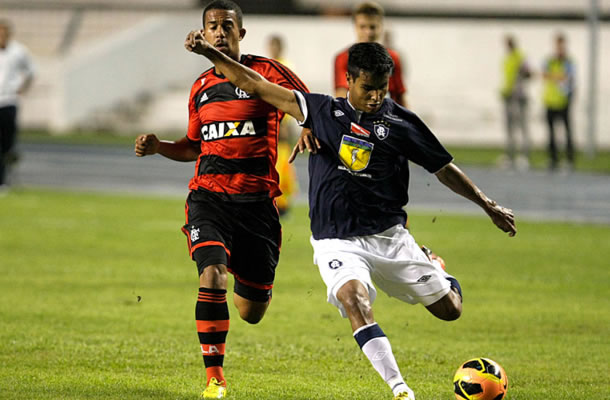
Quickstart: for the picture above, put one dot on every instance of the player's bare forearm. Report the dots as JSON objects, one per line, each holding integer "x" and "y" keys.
{"x": 452, "y": 177}
{"x": 179, "y": 150}
{"x": 245, "y": 78}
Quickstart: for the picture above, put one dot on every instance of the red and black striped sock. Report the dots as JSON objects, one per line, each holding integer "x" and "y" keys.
{"x": 212, "y": 314}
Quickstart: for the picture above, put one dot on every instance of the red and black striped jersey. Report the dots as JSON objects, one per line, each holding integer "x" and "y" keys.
{"x": 238, "y": 133}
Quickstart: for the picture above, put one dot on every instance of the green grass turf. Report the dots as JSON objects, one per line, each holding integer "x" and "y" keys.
{"x": 97, "y": 300}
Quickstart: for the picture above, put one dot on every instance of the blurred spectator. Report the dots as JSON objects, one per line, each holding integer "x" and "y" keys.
{"x": 558, "y": 73}
{"x": 275, "y": 48}
{"x": 516, "y": 73}
{"x": 368, "y": 23}
{"x": 16, "y": 75}
{"x": 289, "y": 183}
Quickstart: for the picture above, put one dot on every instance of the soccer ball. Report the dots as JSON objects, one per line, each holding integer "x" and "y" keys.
{"x": 480, "y": 379}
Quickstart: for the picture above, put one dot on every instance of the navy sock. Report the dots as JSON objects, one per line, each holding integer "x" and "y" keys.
{"x": 455, "y": 284}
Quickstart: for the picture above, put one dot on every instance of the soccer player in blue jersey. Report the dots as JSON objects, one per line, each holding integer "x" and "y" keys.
{"x": 358, "y": 187}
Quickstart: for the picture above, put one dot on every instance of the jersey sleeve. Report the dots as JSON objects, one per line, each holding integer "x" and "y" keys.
{"x": 315, "y": 107}
{"x": 340, "y": 71}
{"x": 281, "y": 75}
{"x": 194, "y": 125}
{"x": 422, "y": 147}
{"x": 397, "y": 86}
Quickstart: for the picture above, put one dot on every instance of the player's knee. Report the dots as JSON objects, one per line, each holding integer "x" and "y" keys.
{"x": 214, "y": 276}
{"x": 251, "y": 312}
{"x": 451, "y": 314}
{"x": 355, "y": 301}
{"x": 251, "y": 304}
{"x": 251, "y": 316}
{"x": 449, "y": 308}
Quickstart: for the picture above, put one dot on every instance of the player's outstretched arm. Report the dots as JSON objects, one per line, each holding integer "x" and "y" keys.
{"x": 452, "y": 177}
{"x": 180, "y": 150}
{"x": 243, "y": 77}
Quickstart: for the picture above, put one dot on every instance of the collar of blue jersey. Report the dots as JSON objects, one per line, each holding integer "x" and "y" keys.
{"x": 359, "y": 113}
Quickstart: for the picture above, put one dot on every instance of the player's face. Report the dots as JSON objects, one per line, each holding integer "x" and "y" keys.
{"x": 222, "y": 30}
{"x": 369, "y": 28}
{"x": 367, "y": 91}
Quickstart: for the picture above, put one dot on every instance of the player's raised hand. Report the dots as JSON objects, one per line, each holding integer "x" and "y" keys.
{"x": 146, "y": 145}
{"x": 196, "y": 43}
{"x": 504, "y": 218}
{"x": 306, "y": 141}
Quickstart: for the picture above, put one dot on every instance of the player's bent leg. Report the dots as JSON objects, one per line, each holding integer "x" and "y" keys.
{"x": 448, "y": 308}
{"x": 251, "y": 302}
{"x": 250, "y": 311}
{"x": 355, "y": 299}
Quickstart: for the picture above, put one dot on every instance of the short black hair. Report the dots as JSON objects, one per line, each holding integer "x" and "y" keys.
{"x": 370, "y": 57}
{"x": 224, "y": 5}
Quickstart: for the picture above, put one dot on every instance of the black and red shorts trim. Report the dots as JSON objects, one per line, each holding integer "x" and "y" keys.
{"x": 245, "y": 237}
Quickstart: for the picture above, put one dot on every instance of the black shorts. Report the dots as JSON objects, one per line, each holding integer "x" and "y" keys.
{"x": 246, "y": 237}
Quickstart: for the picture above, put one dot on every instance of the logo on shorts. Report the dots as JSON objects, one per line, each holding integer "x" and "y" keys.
{"x": 424, "y": 278}
{"x": 194, "y": 234}
{"x": 334, "y": 264}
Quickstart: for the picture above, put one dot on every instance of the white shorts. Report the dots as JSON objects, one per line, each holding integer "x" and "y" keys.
{"x": 391, "y": 259}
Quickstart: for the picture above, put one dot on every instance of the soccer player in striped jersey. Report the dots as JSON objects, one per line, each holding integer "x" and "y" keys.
{"x": 358, "y": 188}
{"x": 232, "y": 222}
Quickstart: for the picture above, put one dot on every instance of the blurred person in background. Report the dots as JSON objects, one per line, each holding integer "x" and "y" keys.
{"x": 275, "y": 49}
{"x": 289, "y": 183}
{"x": 232, "y": 223}
{"x": 368, "y": 23}
{"x": 516, "y": 73}
{"x": 16, "y": 75}
{"x": 559, "y": 77}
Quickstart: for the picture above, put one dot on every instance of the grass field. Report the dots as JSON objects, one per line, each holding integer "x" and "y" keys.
{"x": 97, "y": 299}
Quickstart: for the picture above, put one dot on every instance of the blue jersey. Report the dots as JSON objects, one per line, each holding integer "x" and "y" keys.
{"x": 359, "y": 179}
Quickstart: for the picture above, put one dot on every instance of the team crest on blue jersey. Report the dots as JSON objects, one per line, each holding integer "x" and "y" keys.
{"x": 381, "y": 129}
{"x": 355, "y": 153}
